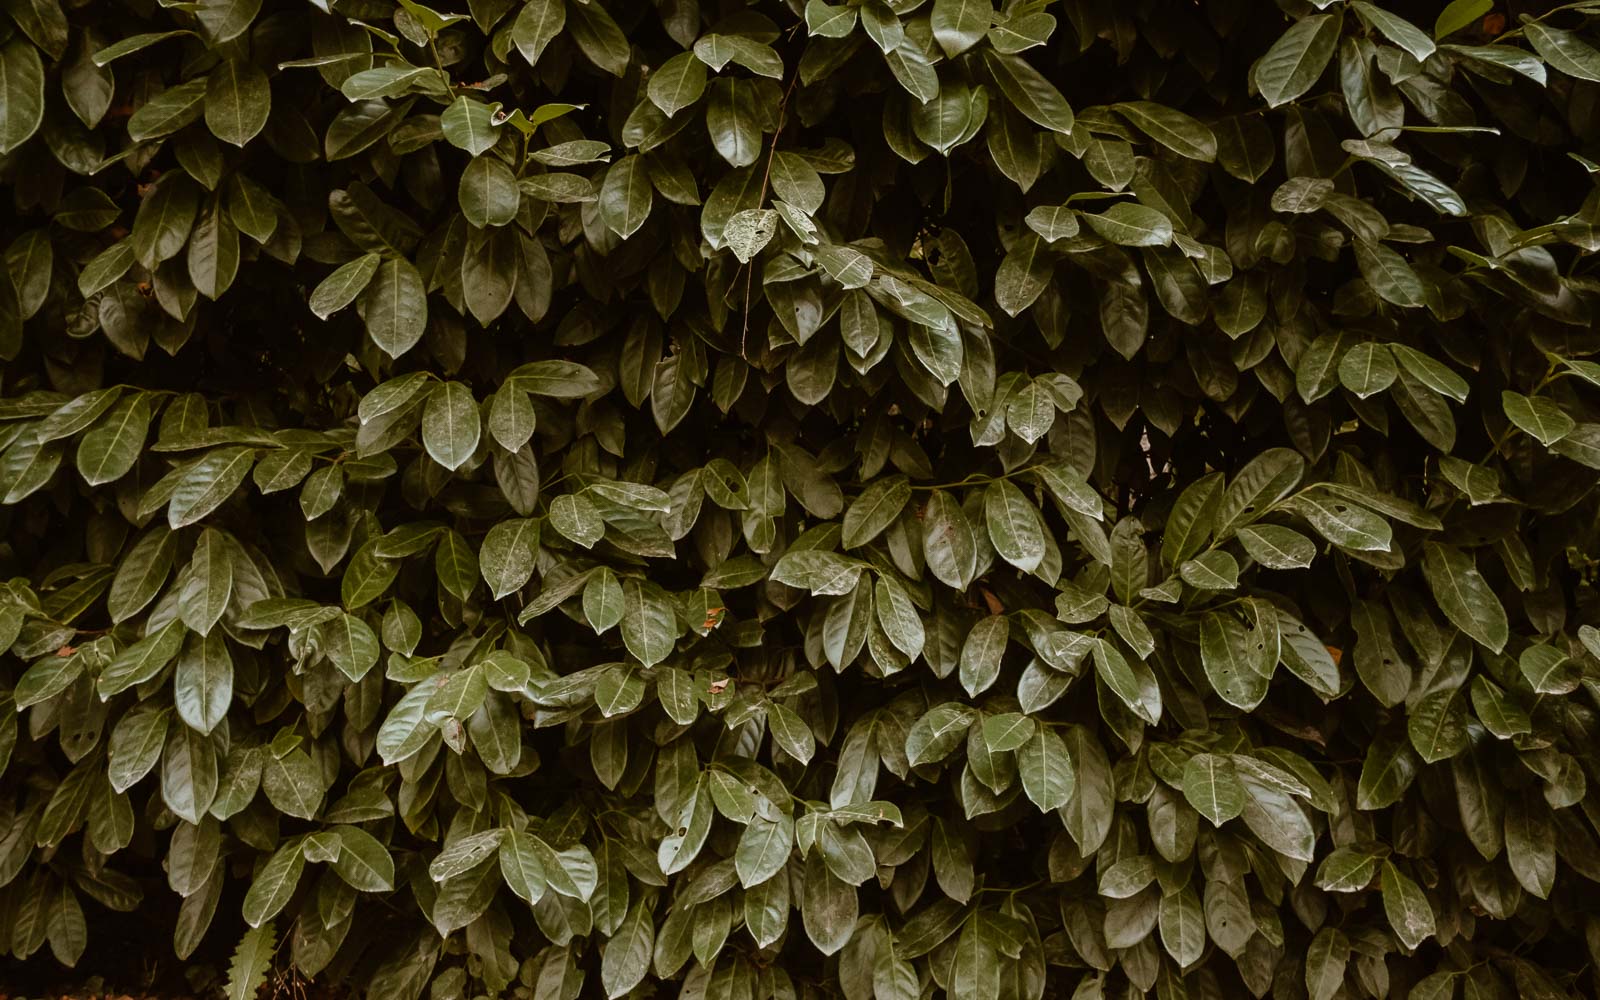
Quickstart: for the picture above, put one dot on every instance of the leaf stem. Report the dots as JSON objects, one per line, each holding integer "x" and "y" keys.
{"x": 976, "y": 479}
{"x": 1515, "y": 33}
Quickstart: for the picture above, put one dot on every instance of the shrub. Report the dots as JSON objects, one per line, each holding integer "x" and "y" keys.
{"x": 778, "y": 499}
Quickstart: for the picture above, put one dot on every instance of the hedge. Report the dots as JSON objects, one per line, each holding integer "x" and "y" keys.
{"x": 735, "y": 500}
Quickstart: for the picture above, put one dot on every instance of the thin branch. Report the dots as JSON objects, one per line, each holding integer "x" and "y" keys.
{"x": 761, "y": 199}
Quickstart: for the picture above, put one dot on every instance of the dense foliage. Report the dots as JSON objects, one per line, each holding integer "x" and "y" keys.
{"x": 777, "y": 499}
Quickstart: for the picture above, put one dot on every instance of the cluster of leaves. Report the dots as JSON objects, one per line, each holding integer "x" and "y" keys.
{"x": 778, "y": 499}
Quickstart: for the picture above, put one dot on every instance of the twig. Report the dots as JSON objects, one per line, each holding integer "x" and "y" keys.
{"x": 761, "y": 199}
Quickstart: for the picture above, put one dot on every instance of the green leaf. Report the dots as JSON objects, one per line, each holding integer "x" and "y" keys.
{"x": 1497, "y": 710}
{"x": 763, "y": 849}
{"x": 394, "y": 306}
{"x": 1388, "y": 771}
{"x": 46, "y": 679}
{"x": 1014, "y": 525}
{"x": 251, "y": 964}
{"x": 1391, "y": 278}
{"x": 1347, "y": 869}
{"x": 717, "y": 50}
{"x": 1131, "y": 681}
{"x": 168, "y": 111}
{"x": 1538, "y": 416}
{"x": 135, "y": 745}
{"x": 911, "y": 66}
{"x": 1406, "y": 907}
{"x": 938, "y": 732}
{"x": 1053, "y": 222}
{"x": 898, "y": 616}
{"x": 521, "y": 865}
{"x": 1431, "y": 373}
{"x": 1402, "y": 33}
{"x": 1296, "y": 60}
{"x": 1435, "y": 986}
{"x": 1459, "y": 14}
{"x": 1170, "y": 127}
{"x": 363, "y": 862}
{"x": 576, "y": 518}
{"x": 976, "y": 965}
{"x": 1277, "y": 818}
{"x": 748, "y": 232}
{"x": 1564, "y": 50}
{"x": 1236, "y": 660}
{"x": 1127, "y": 877}
{"x": 895, "y": 979}
{"x": 109, "y": 450}
{"x": 22, "y": 86}
{"x": 274, "y": 883}
{"x": 1463, "y": 594}
{"x": 350, "y": 644}
{"x": 626, "y": 958}
{"x": 1438, "y": 726}
{"x": 817, "y": 571}
{"x": 238, "y": 101}
{"x": 625, "y": 196}
{"x": 142, "y": 660}
{"x": 690, "y": 827}
{"x": 958, "y": 25}
{"x": 981, "y": 653}
{"x": 509, "y": 553}
{"x": 208, "y": 484}
{"x": 1183, "y": 928}
{"x": 208, "y": 585}
{"x": 1046, "y": 770}
{"x": 1326, "y": 962}
{"x": 874, "y": 510}
{"x": 1345, "y": 524}
{"x": 1028, "y": 91}
{"x": 791, "y": 733}
{"x": 557, "y": 379}
{"x": 537, "y": 25}
{"x": 464, "y": 854}
{"x": 649, "y": 625}
{"x": 469, "y": 124}
{"x": 488, "y": 193}
{"x": 680, "y": 82}
{"x": 1367, "y": 368}
{"x": 1277, "y": 547}
{"x": 203, "y": 681}
{"x": 1531, "y": 844}
{"x": 949, "y": 541}
{"x": 512, "y": 418}
{"x": 599, "y": 38}
{"x": 733, "y": 119}
{"x": 1214, "y": 570}
{"x": 451, "y": 427}
{"x": 1547, "y": 670}
{"x": 1130, "y": 224}
{"x": 603, "y": 602}
{"x": 107, "y": 266}
{"x": 1192, "y": 519}
{"x": 1023, "y": 276}
{"x": 825, "y": 21}
{"x": 1211, "y": 785}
